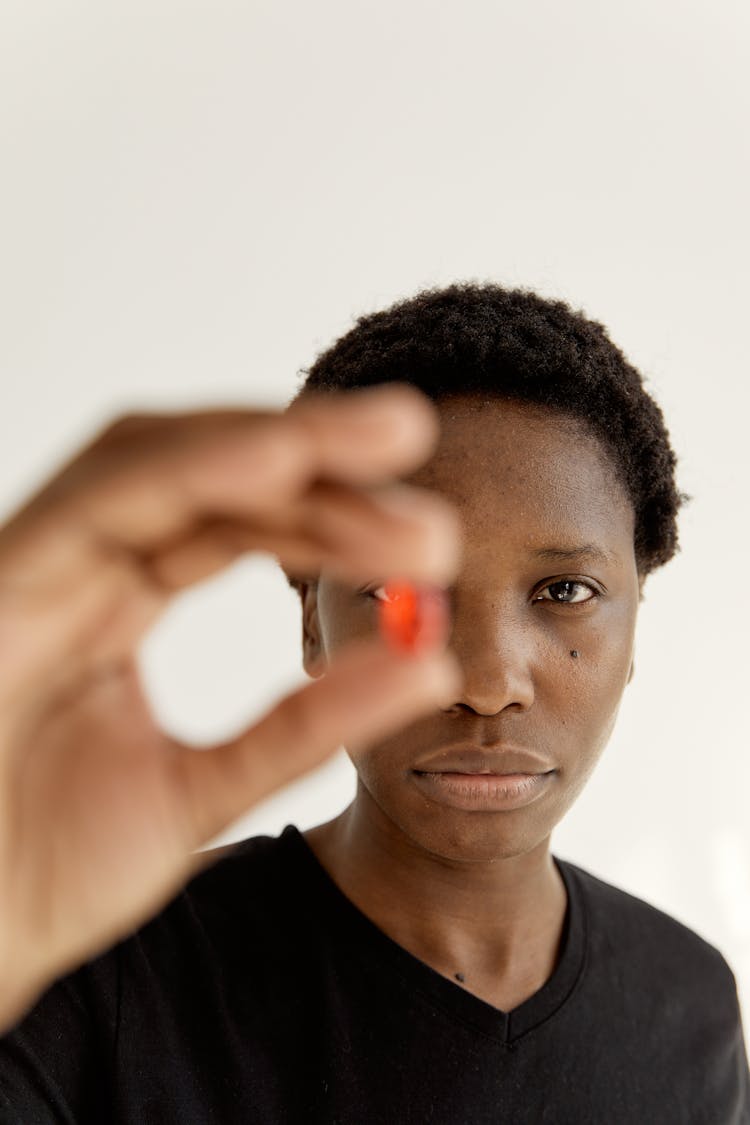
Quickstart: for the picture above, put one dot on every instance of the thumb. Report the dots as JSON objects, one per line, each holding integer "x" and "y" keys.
{"x": 366, "y": 693}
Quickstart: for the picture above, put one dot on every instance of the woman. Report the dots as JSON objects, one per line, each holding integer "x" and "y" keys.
{"x": 424, "y": 957}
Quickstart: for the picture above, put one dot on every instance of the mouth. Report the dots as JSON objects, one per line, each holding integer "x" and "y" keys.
{"x": 488, "y": 777}
{"x": 498, "y": 760}
{"x": 482, "y": 791}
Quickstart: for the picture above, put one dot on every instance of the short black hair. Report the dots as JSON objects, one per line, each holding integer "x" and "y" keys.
{"x": 489, "y": 341}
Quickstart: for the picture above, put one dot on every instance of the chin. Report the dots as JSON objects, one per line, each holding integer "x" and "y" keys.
{"x": 454, "y": 835}
{"x": 474, "y": 837}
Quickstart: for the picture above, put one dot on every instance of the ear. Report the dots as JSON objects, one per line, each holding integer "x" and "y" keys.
{"x": 313, "y": 656}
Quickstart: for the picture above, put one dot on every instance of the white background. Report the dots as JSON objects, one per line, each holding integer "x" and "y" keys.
{"x": 197, "y": 198}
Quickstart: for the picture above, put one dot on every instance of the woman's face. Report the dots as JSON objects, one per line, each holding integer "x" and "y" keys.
{"x": 527, "y": 483}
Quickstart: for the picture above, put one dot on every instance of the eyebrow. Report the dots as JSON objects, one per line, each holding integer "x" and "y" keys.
{"x": 571, "y": 554}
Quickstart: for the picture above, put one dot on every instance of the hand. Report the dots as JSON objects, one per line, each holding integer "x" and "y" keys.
{"x": 100, "y": 811}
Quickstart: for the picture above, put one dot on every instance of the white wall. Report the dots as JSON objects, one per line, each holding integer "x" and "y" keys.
{"x": 198, "y": 197}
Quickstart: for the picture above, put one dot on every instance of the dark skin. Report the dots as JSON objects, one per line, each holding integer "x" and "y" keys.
{"x": 476, "y": 894}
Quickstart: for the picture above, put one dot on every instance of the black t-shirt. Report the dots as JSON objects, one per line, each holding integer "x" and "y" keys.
{"x": 261, "y": 994}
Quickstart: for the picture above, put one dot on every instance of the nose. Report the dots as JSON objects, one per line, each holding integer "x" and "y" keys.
{"x": 496, "y": 650}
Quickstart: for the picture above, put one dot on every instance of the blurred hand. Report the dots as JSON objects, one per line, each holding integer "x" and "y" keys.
{"x": 100, "y": 811}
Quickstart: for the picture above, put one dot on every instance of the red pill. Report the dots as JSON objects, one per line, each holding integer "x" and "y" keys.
{"x": 413, "y": 618}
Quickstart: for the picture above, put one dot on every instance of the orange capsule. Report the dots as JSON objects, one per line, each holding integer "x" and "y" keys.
{"x": 413, "y": 618}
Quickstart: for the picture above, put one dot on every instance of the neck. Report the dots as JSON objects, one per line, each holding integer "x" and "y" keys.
{"x": 498, "y": 919}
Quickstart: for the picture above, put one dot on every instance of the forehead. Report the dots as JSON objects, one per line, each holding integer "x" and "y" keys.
{"x": 528, "y": 472}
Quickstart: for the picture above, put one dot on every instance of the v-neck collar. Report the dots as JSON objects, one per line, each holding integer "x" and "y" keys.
{"x": 456, "y": 1001}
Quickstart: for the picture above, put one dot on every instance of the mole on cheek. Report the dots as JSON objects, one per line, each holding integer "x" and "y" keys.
{"x": 574, "y": 653}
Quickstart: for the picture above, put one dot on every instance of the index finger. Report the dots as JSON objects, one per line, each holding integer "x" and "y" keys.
{"x": 149, "y": 479}
{"x": 359, "y": 438}
{"x": 243, "y": 462}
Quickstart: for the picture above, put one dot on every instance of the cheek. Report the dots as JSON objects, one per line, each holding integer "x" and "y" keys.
{"x": 368, "y": 754}
{"x": 387, "y": 762}
{"x": 604, "y": 641}
{"x": 580, "y": 673}
{"x": 590, "y": 690}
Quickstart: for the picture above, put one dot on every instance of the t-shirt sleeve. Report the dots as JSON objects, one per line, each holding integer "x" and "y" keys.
{"x": 54, "y": 1062}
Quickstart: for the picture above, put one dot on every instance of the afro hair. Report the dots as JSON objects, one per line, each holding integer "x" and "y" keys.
{"x": 488, "y": 341}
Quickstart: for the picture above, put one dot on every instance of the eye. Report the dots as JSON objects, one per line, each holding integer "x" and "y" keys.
{"x": 380, "y": 595}
{"x": 568, "y": 591}
{"x": 376, "y": 592}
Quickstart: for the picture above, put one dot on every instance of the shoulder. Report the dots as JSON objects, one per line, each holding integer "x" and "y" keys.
{"x": 632, "y": 935}
{"x": 254, "y": 860}
{"x": 239, "y": 898}
{"x": 240, "y": 880}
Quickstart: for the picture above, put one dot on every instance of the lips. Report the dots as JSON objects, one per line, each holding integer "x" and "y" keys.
{"x": 472, "y": 759}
